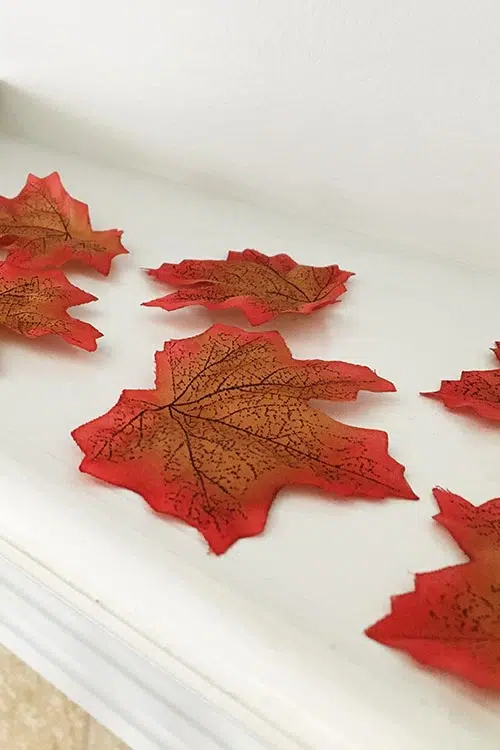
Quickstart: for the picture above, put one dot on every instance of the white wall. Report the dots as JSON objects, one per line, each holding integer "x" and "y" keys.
{"x": 377, "y": 115}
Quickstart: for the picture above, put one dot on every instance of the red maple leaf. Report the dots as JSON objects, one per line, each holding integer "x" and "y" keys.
{"x": 228, "y": 424}
{"x": 262, "y": 286}
{"x": 477, "y": 389}
{"x": 35, "y": 303}
{"x": 452, "y": 619}
{"x": 44, "y": 226}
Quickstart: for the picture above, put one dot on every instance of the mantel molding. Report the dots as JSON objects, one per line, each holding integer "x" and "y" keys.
{"x": 145, "y": 706}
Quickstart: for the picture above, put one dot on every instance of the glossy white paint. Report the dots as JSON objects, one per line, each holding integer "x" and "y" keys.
{"x": 375, "y": 115}
{"x": 270, "y": 634}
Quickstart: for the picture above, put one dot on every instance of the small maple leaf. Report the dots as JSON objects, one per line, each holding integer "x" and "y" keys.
{"x": 496, "y": 349}
{"x": 477, "y": 389}
{"x": 44, "y": 226}
{"x": 262, "y": 286}
{"x": 452, "y": 619}
{"x": 35, "y": 303}
{"x": 228, "y": 424}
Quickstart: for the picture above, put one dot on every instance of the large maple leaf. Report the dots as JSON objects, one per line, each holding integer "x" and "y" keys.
{"x": 228, "y": 424}
{"x": 44, "y": 226}
{"x": 478, "y": 390}
{"x": 262, "y": 286}
{"x": 452, "y": 619}
{"x": 35, "y": 303}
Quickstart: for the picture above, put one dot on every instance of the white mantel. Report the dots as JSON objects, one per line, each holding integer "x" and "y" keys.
{"x": 261, "y": 648}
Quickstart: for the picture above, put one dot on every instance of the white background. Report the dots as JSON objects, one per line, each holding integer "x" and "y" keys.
{"x": 376, "y": 115}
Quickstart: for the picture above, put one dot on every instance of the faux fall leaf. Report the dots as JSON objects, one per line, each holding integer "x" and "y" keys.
{"x": 477, "y": 389}
{"x": 44, "y": 226}
{"x": 262, "y": 286}
{"x": 229, "y": 424}
{"x": 35, "y": 303}
{"x": 452, "y": 619}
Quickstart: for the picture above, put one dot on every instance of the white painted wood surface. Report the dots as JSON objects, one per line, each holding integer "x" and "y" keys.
{"x": 262, "y": 648}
